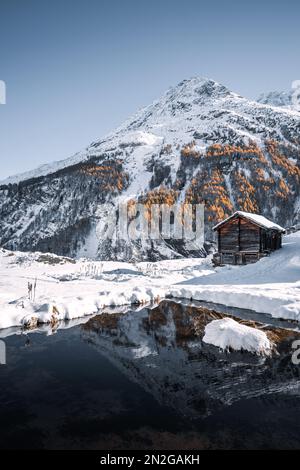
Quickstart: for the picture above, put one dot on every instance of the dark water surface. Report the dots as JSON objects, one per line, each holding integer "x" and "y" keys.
{"x": 144, "y": 380}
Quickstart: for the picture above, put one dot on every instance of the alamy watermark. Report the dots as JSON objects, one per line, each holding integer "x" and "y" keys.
{"x": 296, "y": 94}
{"x": 133, "y": 221}
{"x": 296, "y": 353}
{"x": 2, "y": 353}
{"x": 2, "y": 92}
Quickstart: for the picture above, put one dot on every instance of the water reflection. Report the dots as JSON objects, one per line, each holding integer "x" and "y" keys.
{"x": 161, "y": 349}
{"x": 143, "y": 378}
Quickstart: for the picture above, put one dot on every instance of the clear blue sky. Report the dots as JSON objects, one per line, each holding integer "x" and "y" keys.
{"x": 76, "y": 69}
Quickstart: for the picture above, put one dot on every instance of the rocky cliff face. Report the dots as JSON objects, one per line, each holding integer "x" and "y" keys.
{"x": 199, "y": 143}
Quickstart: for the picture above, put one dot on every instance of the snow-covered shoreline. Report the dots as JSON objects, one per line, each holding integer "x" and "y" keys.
{"x": 270, "y": 286}
{"x": 67, "y": 289}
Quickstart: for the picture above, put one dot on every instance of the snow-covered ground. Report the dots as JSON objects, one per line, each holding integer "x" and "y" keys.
{"x": 271, "y": 285}
{"x": 68, "y": 289}
{"x": 76, "y": 289}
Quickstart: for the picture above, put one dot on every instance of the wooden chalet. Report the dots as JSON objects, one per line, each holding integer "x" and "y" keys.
{"x": 244, "y": 238}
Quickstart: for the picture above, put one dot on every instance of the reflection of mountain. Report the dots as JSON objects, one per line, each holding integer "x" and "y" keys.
{"x": 161, "y": 349}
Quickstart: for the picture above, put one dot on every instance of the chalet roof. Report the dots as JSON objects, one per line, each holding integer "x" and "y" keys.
{"x": 255, "y": 218}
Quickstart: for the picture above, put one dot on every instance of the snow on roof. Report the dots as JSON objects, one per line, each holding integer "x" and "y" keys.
{"x": 256, "y": 218}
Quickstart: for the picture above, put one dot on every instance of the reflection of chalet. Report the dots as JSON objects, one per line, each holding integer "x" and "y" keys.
{"x": 244, "y": 238}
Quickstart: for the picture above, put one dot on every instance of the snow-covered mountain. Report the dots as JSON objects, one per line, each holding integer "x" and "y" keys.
{"x": 277, "y": 98}
{"x": 199, "y": 143}
{"x": 283, "y": 99}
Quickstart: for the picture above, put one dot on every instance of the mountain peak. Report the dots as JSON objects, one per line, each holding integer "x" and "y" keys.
{"x": 196, "y": 109}
{"x": 276, "y": 98}
{"x": 197, "y": 87}
{"x": 186, "y": 99}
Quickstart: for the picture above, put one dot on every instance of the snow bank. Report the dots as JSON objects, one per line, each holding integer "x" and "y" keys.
{"x": 30, "y": 314}
{"x": 229, "y": 334}
{"x": 280, "y": 301}
{"x": 67, "y": 290}
{"x": 271, "y": 285}
{"x": 289, "y": 311}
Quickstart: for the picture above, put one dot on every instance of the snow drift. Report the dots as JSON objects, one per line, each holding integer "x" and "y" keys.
{"x": 229, "y": 334}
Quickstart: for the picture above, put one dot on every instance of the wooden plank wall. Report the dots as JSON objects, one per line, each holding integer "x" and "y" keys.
{"x": 249, "y": 236}
{"x": 239, "y": 235}
{"x": 229, "y": 236}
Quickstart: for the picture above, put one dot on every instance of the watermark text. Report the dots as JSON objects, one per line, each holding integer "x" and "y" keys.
{"x": 2, "y": 92}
